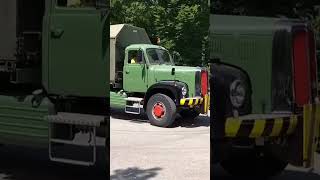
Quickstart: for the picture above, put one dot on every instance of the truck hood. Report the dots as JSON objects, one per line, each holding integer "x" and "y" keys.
{"x": 184, "y": 74}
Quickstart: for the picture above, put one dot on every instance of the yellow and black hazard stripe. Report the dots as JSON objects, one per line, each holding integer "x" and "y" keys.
{"x": 254, "y": 128}
{"x": 191, "y": 101}
{"x": 311, "y": 132}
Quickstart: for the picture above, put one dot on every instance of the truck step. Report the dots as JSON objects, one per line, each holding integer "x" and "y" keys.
{"x": 133, "y": 105}
{"x": 76, "y": 119}
{"x": 91, "y": 122}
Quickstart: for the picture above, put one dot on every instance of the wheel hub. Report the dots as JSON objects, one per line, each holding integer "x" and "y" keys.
{"x": 159, "y": 110}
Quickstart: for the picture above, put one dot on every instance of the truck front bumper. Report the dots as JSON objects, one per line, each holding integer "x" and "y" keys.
{"x": 203, "y": 102}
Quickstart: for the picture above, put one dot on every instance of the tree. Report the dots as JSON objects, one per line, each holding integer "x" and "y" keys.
{"x": 182, "y": 25}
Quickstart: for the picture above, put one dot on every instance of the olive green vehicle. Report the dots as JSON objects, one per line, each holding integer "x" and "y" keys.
{"x": 54, "y": 74}
{"x": 144, "y": 76}
{"x": 264, "y": 98}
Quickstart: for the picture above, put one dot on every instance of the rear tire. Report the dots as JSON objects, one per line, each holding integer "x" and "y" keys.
{"x": 161, "y": 110}
{"x": 253, "y": 163}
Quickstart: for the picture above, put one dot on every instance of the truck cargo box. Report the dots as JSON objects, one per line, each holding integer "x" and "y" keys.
{"x": 121, "y": 36}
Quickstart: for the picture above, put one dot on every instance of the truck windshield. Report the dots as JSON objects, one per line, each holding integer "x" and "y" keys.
{"x": 159, "y": 56}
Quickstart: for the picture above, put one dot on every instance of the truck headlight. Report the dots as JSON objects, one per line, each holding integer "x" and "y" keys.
{"x": 184, "y": 91}
{"x": 237, "y": 93}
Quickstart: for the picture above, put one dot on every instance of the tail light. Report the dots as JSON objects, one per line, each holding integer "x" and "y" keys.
{"x": 304, "y": 60}
{"x": 204, "y": 83}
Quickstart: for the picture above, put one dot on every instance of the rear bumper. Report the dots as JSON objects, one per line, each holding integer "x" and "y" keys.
{"x": 274, "y": 125}
{"x": 254, "y": 126}
{"x": 303, "y": 129}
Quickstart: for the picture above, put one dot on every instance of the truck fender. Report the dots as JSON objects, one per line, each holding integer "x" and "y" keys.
{"x": 170, "y": 88}
{"x": 222, "y": 77}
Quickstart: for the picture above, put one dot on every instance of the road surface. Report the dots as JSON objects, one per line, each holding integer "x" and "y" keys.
{"x": 140, "y": 151}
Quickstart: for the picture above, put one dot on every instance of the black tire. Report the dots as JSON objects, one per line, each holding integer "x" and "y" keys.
{"x": 189, "y": 113}
{"x": 169, "y": 115}
{"x": 253, "y": 164}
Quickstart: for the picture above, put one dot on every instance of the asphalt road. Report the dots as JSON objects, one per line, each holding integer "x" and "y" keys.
{"x": 140, "y": 151}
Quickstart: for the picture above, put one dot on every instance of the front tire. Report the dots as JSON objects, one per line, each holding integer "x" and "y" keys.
{"x": 161, "y": 110}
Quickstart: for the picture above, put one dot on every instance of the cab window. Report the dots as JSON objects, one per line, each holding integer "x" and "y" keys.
{"x": 159, "y": 56}
{"x": 76, "y": 3}
{"x": 135, "y": 57}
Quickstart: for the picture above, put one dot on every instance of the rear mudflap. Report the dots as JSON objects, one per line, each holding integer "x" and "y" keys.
{"x": 305, "y": 141}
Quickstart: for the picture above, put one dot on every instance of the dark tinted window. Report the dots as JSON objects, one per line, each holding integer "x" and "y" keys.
{"x": 76, "y": 3}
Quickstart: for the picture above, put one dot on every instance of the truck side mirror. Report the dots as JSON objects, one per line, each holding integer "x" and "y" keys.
{"x": 173, "y": 71}
{"x": 176, "y": 56}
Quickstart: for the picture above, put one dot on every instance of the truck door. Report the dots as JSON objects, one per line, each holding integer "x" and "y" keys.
{"x": 75, "y": 48}
{"x": 135, "y": 72}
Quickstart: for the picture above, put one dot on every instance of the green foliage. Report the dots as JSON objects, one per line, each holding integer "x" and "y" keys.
{"x": 182, "y": 25}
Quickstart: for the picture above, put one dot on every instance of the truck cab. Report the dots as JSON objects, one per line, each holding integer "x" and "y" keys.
{"x": 150, "y": 80}
{"x": 155, "y": 64}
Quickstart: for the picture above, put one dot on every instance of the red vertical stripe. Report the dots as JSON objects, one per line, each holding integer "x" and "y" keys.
{"x": 204, "y": 83}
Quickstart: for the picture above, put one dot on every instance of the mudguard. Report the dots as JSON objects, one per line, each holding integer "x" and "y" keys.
{"x": 172, "y": 88}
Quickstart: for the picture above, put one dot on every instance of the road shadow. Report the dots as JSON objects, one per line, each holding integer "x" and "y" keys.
{"x": 200, "y": 121}
{"x": 134, "y": 173}
{"x": 217, "y": 172}
{"x": 18, "y": 163}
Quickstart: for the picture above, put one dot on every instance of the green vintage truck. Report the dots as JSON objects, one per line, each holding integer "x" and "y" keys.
{"x": 53, "y": 74}
{"x": 144, "y": 77}
{"x": 264, "y": 98}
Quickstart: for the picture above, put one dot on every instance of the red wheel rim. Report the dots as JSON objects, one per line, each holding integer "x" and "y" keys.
{"x": 159, "y": 110}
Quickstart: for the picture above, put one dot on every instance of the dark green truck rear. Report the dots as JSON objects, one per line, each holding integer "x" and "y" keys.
{"x": 264, "y": 98}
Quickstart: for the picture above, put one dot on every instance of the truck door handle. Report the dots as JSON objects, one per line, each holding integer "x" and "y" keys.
{"x": 57, "y": 33}
{"x": 127, "y": 72}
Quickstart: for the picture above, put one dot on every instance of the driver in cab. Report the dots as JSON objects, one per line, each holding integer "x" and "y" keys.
{"x": 136, "y": 58}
